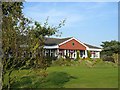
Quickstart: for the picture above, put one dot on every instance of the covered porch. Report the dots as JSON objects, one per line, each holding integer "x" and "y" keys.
{"x": 72, "y": 53}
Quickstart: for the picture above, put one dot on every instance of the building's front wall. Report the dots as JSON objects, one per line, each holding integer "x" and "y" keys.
{"x": 72, "y": 45}
{"x": 73, "y": 55}
{"x": 66, "y": 52}
{"x": 51, "y": 52}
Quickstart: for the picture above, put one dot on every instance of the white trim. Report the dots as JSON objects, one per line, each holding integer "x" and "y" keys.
{"x": 65, "y": 41}
{"x": 76, "y": 40}
{"x": 94, "y": 49}
{"x": 51, "y": 47}
{"x": 86, "y": 54}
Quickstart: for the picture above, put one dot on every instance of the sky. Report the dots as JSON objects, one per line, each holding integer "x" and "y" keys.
{"x": 89, "y": 22}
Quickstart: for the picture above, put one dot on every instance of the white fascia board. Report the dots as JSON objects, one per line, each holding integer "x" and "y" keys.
{"x": 75, "y": 39}
{"x": 94, "y": 49}
{"x": 51, "y": 47}
{"x": 80, "y": 42}
{"x": 65, "y": 41}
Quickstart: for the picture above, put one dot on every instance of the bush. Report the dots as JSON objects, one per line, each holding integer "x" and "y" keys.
{"x": 62, "y": 62}
{"x": 115, "y": 56}
{"x": 89, "y": 54}
{"x": 78, "y": 55}
{"x": 108, "y": 58}
{"x": 58, "y": 62}
{"x": 88, "y": 59}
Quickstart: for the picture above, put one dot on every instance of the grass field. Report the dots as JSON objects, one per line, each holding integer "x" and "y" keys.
{"x": 101, "y": 75}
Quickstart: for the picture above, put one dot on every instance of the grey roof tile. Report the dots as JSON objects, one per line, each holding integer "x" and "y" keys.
{"x": 91, "y": 46}
{"x": 55, "y": 41}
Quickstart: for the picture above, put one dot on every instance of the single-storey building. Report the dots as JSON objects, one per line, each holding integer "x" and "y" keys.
{"x": 56, "y": 47}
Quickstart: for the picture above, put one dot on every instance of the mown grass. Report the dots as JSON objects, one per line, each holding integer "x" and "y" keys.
{"x": 102, "y": 75}
{"x": 78, "y": 75}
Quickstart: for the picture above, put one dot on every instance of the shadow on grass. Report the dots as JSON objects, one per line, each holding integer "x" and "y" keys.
{"x": 53, "y": 80}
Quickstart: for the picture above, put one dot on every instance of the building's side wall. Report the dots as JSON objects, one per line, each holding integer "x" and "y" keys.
{"x": 95, "y": 54}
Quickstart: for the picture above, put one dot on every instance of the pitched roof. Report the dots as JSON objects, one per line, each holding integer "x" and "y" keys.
{"x": 55, "y": 41}
{"x": 91, "y": 46}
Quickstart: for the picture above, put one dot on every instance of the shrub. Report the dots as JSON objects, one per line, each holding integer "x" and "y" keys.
{"x": 58, "y": 61}
{"x": 62, "y": 62}
{"x": 108, "y": 58}
{"x": 115, "y": 56}
{"x": 97, "y": 61}
{"x": 88, "y": 54}
{"x": 23, "y": 82}
{"x": 78, "y": 55}
{"x": 89, "y": 63}
{"x": 86, "y": 58}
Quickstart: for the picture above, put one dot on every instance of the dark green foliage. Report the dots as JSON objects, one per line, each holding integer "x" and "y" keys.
{"x": 110, "y": 47}
{"x": 108, "y": 58}
{"x": 12, "y": 14}
{"x": 24, "y": 82}
{"x": 62, "y": 62}
{"x": 12, "y": 8}
{"x": 49, "y": 60}
{"x": 59, "y": 61}
{"x": 110, "y": 51}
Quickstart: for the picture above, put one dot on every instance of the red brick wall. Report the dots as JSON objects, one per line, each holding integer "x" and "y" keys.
{"x": 69, "y": 45}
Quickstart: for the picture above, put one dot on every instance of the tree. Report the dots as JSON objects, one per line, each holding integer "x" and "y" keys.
{"x": 12, "y": 14}
{"x": 36, "y": 42}
{"x": 110, "y": 47}
{"x": 19, "y": 37}
{"x": 111, "y": 51}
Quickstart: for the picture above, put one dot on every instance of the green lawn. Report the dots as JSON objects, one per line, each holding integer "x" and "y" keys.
{"x": 102, "y": 75}
{"x": 95, "y": 77}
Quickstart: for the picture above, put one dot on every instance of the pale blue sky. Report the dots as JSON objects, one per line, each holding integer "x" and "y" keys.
{"x": 89, "y": 22}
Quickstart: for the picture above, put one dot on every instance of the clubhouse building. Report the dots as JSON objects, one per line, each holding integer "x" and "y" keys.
{"x": 56, "y": 47}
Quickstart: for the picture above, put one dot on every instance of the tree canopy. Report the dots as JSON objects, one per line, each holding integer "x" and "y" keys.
{"x": 110, "y": 47}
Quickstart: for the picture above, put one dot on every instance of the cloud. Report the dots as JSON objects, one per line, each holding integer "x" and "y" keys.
{"x": 54, "y": 14}
{"x": 74, "y": 13}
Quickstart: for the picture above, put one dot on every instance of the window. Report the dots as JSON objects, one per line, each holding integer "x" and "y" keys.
{"x": 73, "y": 43}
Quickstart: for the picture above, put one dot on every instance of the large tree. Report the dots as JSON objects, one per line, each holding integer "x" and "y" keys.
{"x": 110, "y": 47}
{"x": 18, "y": 36}
{"x": 12, "y": 13}
{"x": 111, "y": 51}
